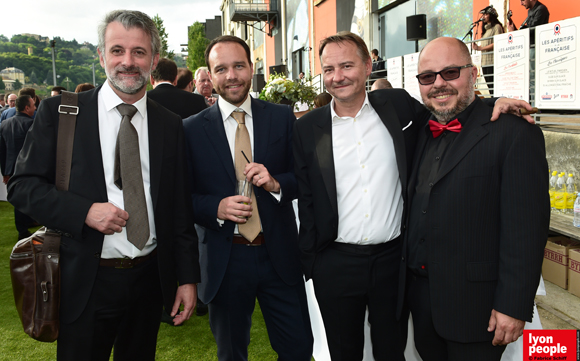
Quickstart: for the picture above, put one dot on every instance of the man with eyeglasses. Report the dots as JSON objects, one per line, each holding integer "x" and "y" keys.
{"x": 352, "y": 160}
{"x": 478, "y": 220}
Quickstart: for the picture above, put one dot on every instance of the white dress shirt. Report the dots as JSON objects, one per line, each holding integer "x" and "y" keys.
{"x": 370, "y": 202}
{"x": 116, "y": 245}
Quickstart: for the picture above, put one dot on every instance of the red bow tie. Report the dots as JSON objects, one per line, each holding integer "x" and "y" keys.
{"x": 438, "y": 128}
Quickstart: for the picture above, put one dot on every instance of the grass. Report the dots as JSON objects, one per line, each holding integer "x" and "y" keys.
{"x": 192, "y": 341}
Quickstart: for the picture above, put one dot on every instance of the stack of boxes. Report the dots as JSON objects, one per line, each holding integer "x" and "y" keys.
{"x": 562, "y": 263}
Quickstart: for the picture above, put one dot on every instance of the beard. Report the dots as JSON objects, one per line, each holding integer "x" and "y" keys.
{"x": 128, "y": 86}
{"x": 234, "y": 99}
{"x": 446, "y": 114}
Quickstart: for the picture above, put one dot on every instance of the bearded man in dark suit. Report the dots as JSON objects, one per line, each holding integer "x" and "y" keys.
{"x": 478, "y": 219}
{"x": 117, "y": 271}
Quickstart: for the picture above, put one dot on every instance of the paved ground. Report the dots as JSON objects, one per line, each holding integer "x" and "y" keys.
{"x": 559, "y": 309}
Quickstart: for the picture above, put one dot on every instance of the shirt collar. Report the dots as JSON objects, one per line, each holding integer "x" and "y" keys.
{"x": 111, "y": 100}
{"x": 227, "y": 108}
{"x": 366, "y": 105}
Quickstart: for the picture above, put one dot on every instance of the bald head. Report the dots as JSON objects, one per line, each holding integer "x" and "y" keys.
{"x": 458, "y": 47}
{"x": 12, "y": 100}
{"x": 381, "y": 84}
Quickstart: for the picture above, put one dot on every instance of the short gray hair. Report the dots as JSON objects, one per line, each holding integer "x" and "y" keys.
{"x": 200, "y": 69}
{"x": 130, "y": 19}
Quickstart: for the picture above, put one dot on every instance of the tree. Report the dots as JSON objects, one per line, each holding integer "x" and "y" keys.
{"x": 2, "y": 85}
{"x": 163, "y": 53}
{"x": 17, "y": 85}
{"x": 33, "y": 78}
{"x": 196, "y": 45}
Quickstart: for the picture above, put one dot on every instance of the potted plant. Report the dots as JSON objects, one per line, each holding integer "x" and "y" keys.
{"x": 281, "y": 90}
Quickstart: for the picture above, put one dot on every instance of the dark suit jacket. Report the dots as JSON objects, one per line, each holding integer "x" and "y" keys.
{"x": 32, "y": 191}
{"x": 177, "y": 100}
{"x": 12, "y": 134}
{"x": 317, "y": 203}
{"x": 213, "y": 178}
{"x": 489, "y": 213}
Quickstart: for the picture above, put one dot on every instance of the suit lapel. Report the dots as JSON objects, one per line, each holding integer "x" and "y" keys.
{"x": 261, "y": 117}
{"x": 471, "y": 133}
{"x": 388, "y": 115}
{"x": 156, "y": 129}
{"x": 216, "y": 133}
{"x": 422, "y": 139}
{"x": 322, "y": 129}
{"x": 90, "y": 151}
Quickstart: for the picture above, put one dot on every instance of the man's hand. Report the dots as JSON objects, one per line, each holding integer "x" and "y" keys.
{"x": 507, "y": 329}
{"x": 234, "y": 207}
{"x": 260, "y": 177}
{"x": 187, "y": 296}
{"x": 511, "y": 26}
{"x": 106, "y": 218}
{"x": 506, "y": 105}
{"x": 210, "y": 100}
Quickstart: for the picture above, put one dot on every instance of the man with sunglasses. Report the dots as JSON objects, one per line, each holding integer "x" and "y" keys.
{"x": 478, "y": 219}
{"x": 352, "y": 160}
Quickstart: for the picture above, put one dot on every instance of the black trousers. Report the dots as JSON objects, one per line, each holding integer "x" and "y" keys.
{"x": 429, "y": 344}
{"x": 124, "y": 311}
{"x": 347, "y": 280}
{"x": 22, "y": 222}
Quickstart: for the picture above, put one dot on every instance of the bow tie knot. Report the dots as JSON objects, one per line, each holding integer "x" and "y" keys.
{"x": 438, "y": 128}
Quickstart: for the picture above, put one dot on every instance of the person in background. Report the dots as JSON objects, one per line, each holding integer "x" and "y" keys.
{"x": 184, "y": 80}
{"x": 381, "y": 84}
{"x": 165, "y": 93}
{"x": 12, "y": 135}
{"x": 322, "y": 99}
{"x": 57, "y": 90}
{"x": 538, "y": 14}
{"x": 84, "y": 87}
{"x": 204, "y": 86}
{"x": 492, "y": 27}
{"x": 12, "y": 111}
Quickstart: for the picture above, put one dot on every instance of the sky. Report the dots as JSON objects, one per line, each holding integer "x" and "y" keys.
{"x": 78, "y": 19}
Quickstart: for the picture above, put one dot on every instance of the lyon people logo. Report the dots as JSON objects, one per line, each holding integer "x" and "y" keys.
{"x": 550, "y": 344}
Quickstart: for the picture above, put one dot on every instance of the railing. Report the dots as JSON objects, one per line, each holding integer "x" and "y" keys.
{"x": 252, "y": 6}
{"x": 566, "y": 119}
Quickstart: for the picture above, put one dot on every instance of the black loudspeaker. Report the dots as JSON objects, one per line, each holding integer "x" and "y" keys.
{"x": 258, "y": 83}
{"x": 280, "y": 69}
{"x": 417, "y": 27}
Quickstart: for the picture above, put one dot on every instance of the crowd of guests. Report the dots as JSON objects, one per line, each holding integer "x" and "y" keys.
{"x": 381, "y": 182}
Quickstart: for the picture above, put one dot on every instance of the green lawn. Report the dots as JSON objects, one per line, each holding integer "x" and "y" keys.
{"x": 193, "y": 341}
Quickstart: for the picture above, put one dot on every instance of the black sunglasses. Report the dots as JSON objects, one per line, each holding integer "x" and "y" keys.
{"x": 451, "y": 73}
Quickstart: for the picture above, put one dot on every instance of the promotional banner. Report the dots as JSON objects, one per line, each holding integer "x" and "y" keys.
{"x": 558, "y": 65}
{"x": 395, "y": 71}
{"x": 511, "y": 64}
{"x": 410, "y": 65}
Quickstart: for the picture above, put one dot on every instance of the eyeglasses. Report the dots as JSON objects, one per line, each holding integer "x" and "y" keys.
{"x": 451, "y": 73}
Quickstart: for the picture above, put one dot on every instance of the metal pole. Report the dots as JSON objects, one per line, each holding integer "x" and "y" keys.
{"x": 94, "y": 83}
{"x": 52, "y": 44}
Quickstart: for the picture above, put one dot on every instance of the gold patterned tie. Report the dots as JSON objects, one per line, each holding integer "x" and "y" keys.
{"x": 251, "y": 228}
{"x": 129, "y": 178}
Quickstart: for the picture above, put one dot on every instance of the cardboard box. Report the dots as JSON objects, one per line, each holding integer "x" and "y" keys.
{"x": 574, "y": 272}
{"x": 555, "y": 266}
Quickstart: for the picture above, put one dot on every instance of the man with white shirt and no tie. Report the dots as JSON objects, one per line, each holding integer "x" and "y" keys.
{"x": 352, "y": 158}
